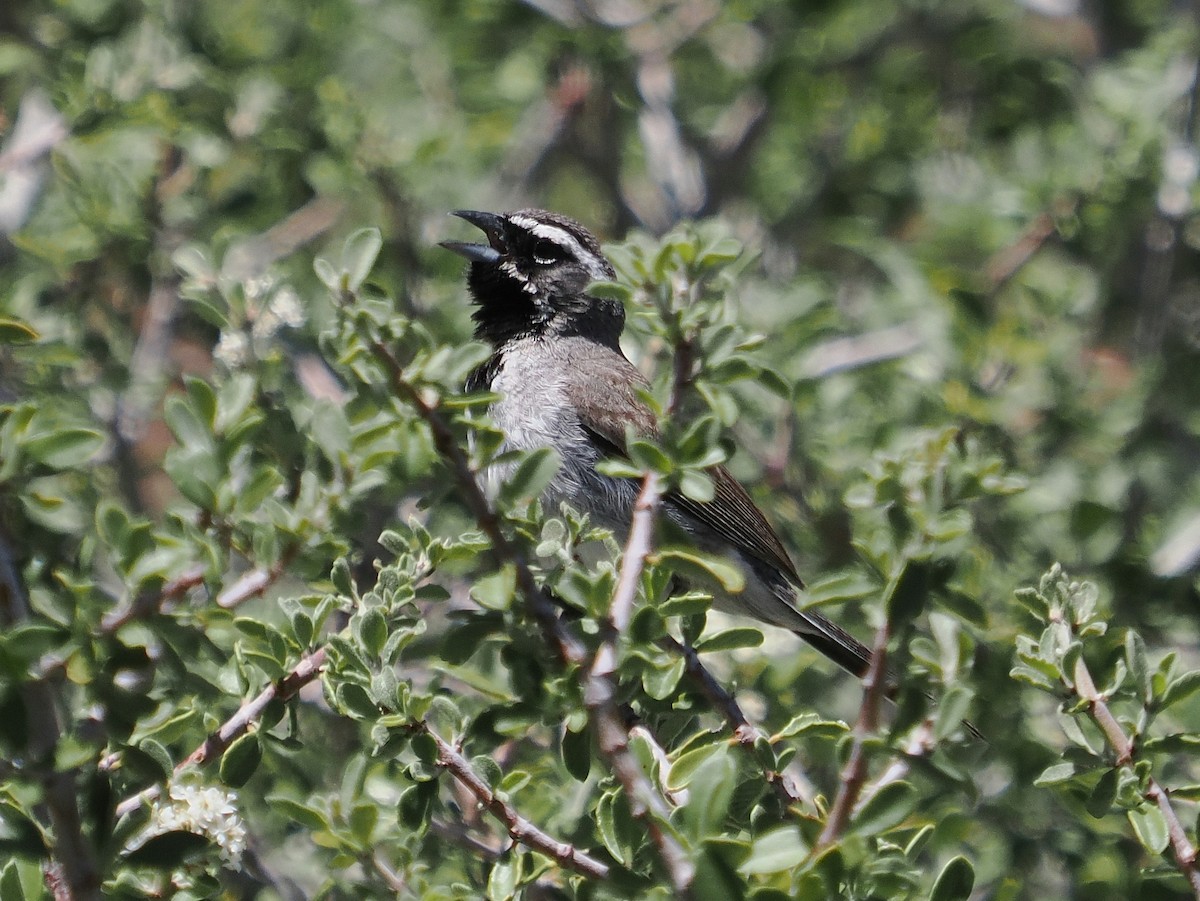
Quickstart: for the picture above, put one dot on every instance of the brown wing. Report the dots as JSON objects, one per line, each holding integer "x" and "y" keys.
{"x": 605, "y": 407}
{"x": 732, "y": 514}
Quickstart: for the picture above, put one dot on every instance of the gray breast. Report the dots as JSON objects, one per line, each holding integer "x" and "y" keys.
{"x": 533, "y": 412}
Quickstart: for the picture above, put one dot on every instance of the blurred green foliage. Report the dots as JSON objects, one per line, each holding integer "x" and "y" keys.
{"x": 947, "y": 321}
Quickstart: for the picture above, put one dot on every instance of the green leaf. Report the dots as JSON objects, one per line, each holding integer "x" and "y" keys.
{"x": 305, "y": 815}
{"x": 1180, "y": 689}
{"x": 576, "y": 751}
{"x": 18, "y": 831}
{"x": 688, "y": 762}
{"x": 888, "y": 808}
{"x": 952, "y": 710}
{"x": 372, "y": 630}
{"x": 724, "y": 250}
{"x": 240, "y": 760}
{"x": 1104, "y": 793}
{"x": 648, "y": 456}
{"x": 488, "y": 770}
{"x": 1135, "y": 659}
{"x": 157, "y": 753}
{"x": 660, "y": 682}
{"x": 1024, "y": 673}
{"x": 844, "y": 586}
{"x": 955, "y": 882}
{"x": 363, "y": 818}
{"x": 710, "y": 791}
{"x": 10, "y": 879}
{"x": 64, "y": 448}
{"x": 1150, "y": 827}
{"x": 531, "y": 476}
{"x": 341, "y": 577}
{"x": 697, "y": 485}
{"x": 415, "y": 805}
{"x": 502, "y": 881}
{"x": 328, "y": 275}
{"x": 620, "y": 833}
{"x": 731, "y": 639}
{"x": 689, "y": 562}
{"x": 330, "y": 430}
{"x": 355, "y": 700}
{"x": 358, "y": 256}
{"x": 1053, "y": 775}
{"x": 611, "y": 290}
{"x": 908, "y": 593}
{"x": 813, "y": 722}
{"x": 16, "y": 331}
{"x": 775, "y": 852}
{"x": 168, "y": 850}
{"x": 185, "y": 425}
{"x": 496, "y": 590}
{"x": 204, "y": 400}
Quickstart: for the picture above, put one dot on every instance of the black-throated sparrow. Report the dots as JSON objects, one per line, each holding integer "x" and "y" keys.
{"x": 564, "y": 383}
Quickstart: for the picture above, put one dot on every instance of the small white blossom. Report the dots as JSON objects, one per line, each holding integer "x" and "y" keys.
{"x": 204, "y": 810}
{"x": 231, "y": 349}
{"x": 287, "y": 307}
{"x": 255, "y": 288}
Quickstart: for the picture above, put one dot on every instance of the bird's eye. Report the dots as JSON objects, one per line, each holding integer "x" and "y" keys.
{"x": 546, "y": 252}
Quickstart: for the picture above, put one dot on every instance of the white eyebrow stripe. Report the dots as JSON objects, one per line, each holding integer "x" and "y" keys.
{"x": 563, "y": 239}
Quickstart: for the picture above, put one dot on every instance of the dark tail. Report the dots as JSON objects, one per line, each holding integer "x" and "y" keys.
{"x": 835, "y": 643}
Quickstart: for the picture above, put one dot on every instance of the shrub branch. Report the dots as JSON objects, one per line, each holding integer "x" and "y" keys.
{"x": 233, "y": 728}
{"x": 519, "y": 829}
{"x": 854, "y": 774}
{"x": 1181, "y": 846}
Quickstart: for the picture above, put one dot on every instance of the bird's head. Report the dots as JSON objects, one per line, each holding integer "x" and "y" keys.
{"x": 531, "y": 276}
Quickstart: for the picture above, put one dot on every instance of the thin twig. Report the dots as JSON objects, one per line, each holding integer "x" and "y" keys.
{"x": 920, "y": 744}
{"x": 237, "y": 725}
{"x": 393, "y": 880}
{"x": 459, "y": 834}
{"x": 147, "y": 603}
{"x": 1008, "y": 261}
{"x": 1181, "y": 846}
{"x": 599, "y": 689}
{"x": 519, "y": 829}
{"x": 854, "y": 774}
{"x": 255, "y": 582}
{"x": 745, "y": 733}
{"x": 633, "y": 561}
{"x": 304, "y": 672}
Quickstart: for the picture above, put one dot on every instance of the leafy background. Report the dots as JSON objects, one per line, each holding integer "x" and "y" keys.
{"x": 971, "y": 261}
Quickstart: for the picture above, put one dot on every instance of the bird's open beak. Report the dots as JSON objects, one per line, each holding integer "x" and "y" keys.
{"x": 492, "y": 226}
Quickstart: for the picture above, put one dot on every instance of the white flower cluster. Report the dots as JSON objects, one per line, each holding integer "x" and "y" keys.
{"x": 270, "y": 307}
{"x": 204, "y": 810}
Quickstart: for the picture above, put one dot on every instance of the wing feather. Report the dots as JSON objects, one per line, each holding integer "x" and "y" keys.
{"x": 606, "y": 406}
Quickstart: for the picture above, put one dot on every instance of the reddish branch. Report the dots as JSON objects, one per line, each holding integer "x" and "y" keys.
{"x": 1181, "y": 846}
{"x": 237, "y": 725}
{"x": 151, "y": 602}
{"x": 518, "y": 828}
{"x": 854, "y": 774}
{"x": 745, "y": 733}
{"x": 249, "y": 585}
{"x": 599, "y": 686}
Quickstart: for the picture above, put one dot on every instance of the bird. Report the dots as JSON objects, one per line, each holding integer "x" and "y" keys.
{"x": 562, "y": 381}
